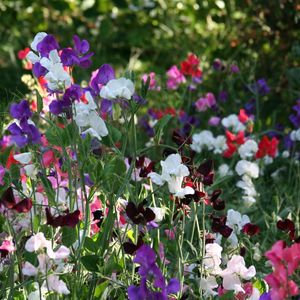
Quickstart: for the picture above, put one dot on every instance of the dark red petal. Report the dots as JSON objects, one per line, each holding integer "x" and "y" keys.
{"x": 131, "y": 210}
{"x": 206, "y": 168}
{"x": 149, "y": 215}
{"x": 251, "y": 229}
{"x": 8, "y": 198}
{"x": 23, "y": 206}
{"x": 286, "y": 225}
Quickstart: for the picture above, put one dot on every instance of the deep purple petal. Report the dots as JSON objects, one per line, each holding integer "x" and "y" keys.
{"x": 173, "y": 286}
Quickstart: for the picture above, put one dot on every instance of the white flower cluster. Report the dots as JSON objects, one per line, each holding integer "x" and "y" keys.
{"x": 295, "y": 135}
{"x": 248, "y": 149}
{"x": 232, "y": 122}
{"x": 118, "y": 88}
{"x": 232, "y": 275}
{"x": 48, "y": 261}
{"x": 247, "y": 170}
{"x": 56, "y": 77}
{"x": 206, "y": 140}
{"x": 87, "y": 117}
{"x": 173, "y": 172}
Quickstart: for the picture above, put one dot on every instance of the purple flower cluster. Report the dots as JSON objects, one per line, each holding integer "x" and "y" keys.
{"x": 23, "y": 131}
{"x": 79, "y": 55}
{"x": 148, "y": 270}
{"x": 295, "y": 118}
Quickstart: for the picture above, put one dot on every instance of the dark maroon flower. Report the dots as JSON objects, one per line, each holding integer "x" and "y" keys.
{"x": 217, "y": 203}
{"x": 206, "y": 172}
{"x": 251, "y": 229}
{"x": 68, "y": 219}
{"x": 131, "y": 248}
{"x": 139, "y": 214}
{"x": 287, "y": 225}
{"x": 243, "y": 251}
{"x": 219, "y": 225}
{"x": 8, "y": 200}
{"x": 98, "y": 216}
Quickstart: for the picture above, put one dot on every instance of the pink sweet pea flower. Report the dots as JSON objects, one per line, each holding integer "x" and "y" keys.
{"x": 202, "y": 104}
{"x": 6, "y": 247}
{"x": 152, "y": 84}
{"x": 214, "y": 121}
{"x": 175, "y": 78}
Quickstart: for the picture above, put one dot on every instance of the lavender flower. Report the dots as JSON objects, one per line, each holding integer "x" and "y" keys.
{"x": 100, "y": 77}
{"x": 295, "y": 118}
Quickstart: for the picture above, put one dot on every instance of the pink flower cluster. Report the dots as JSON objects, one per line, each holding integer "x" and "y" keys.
{"x": 202, "y": 104}
{"x": 285, "y": 260}
{"x": 175, "y": 78}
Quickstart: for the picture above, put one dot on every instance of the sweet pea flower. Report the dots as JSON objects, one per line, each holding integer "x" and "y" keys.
{"x": 248, "y": 149}
{"x": 232, "y": 121}
{"x": 56, "y": 285}
{"x": 118, "y": 88}
{"x": 202, "y": 104}
{"x": 246, "y": 167}
{"x": 23, "y": 158}
{"x": 208, "y": 285}
{"x": 235, "y": 271}
{"x": 173, "y": 172}
{"x": 175, "y": 78}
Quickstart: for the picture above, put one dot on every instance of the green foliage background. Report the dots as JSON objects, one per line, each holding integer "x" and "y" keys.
{"x": 262, "y": 37}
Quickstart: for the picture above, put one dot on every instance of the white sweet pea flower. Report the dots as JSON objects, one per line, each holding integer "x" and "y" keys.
{"x": 31, "y": 171}
{"x": 247, "y": 185}
{"x": 202, "y": 140}
{"x": 160, "y": 213}
{"x": 173, "y": 172}
{"x": 236, "y": 221}
{"x": 56, "y": 285}
{"x": 248, "y": 149}
{"x": 235, "y": 271}
{"x": 58, "y": 77}
{"x": 38, "y": 294}
{"x": 118, "y": 88}
{"x": 208, "y": 285}
{"x": 62, "y": 253}
{"x": 32, "y": 57}
{"x": 36, "y": 242}
{"x": 233, "y": 122}
{"x": 37, "y": 39}
{"x": 86, "y": 116}
{"x": 295, "y": 135}
{"x": 53, "y": 59}
{"x": 23, "y": 158}
{"x": 246, "y": 167}
{"x": 224, "y": 170}
{"x": 29, "y": 269}
{"x": 219, "y": 144}
{"x": 212, "y": 258}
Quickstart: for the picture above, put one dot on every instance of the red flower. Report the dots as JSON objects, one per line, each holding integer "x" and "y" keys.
{"x": 243, "y": 117}
{"x": 251, "y": 229}
{"x": 11, "y": 160}
{"x": 232, "y": 141}
{"x": 190, "y": 66}
{"x": 267, "y": 147}
{"x": 23, "y": 53}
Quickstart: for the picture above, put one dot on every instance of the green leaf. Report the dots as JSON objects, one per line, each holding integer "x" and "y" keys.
{"x": 91, "y": 262}
{"x": 90, "y": 244}
{"x": 227, "y": 296}
{"x": 48, "y": 189}
{"x": 69, "y": 235}
{"x": 261, "y": 285}
{"x": 100, "y": 288}
{"x": 39, "y": 102}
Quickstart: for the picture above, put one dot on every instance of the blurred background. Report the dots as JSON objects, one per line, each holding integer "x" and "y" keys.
{"x": 261, "y": 37}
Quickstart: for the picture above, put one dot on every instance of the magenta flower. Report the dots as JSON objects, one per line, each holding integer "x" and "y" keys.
{"x": 202, "y": 104}
{"x": 175, "y": 78}
{"x": 152, "y": 83}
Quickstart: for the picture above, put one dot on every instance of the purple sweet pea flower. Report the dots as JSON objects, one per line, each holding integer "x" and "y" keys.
{"x": 78, "y": 55}
{"x": 218, "y": 65}
{"x": 265, "y": 296}
{"x": 2, "y": 173}
{"x": 24, "y": 133}
{"x": 47, "y": 44}
{"x": 74, "y": 92}
{"x": 262, "y": 87}
{"x": 38, "y": 70}
{"x": 234, "y": 69}
{"x": 101, "y": 76}
{"x": 223, "y": 96}
{"x": 146, "y": 257}
{"x": 295, "y": 118}
{"x": 20, "y": 110}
